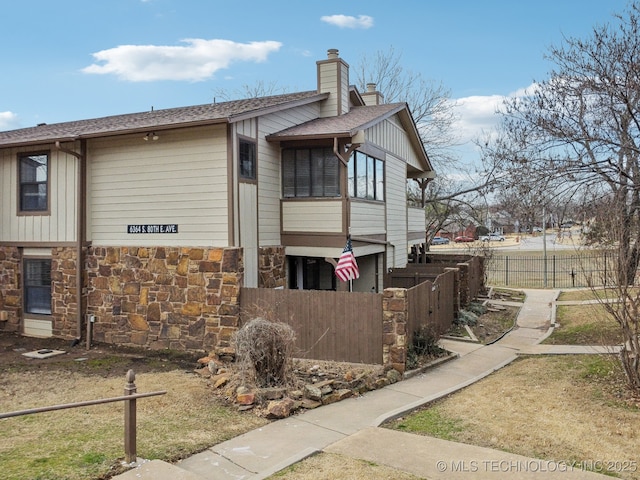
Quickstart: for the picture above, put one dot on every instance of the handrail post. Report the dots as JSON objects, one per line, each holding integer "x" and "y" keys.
{"x": 130, "y": 388}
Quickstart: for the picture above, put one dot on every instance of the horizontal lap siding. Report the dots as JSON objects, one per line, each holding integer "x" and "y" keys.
{"x": 179, "y": 179}
{"x": 312, "y": 216}
{"x": 339, "y": 326}
{"x": 367, "y": 218}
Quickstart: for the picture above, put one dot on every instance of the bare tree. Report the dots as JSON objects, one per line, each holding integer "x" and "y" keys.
{"x": 582, "y": 127}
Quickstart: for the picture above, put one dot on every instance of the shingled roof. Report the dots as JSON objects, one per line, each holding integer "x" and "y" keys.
{"x": 358, "y": 118}
{"x": 157, "y": 120}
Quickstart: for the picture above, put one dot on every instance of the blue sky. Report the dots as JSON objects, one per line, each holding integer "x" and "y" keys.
{"x": 75, "y": 59}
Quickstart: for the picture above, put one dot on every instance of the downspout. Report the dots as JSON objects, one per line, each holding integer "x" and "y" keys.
{"x": 80, "y": 225}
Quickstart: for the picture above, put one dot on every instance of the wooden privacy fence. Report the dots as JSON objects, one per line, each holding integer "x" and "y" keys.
{"x": 129, "y": 398}
{"x": 357, "y": 327}
{"x": 339, "y": 326}
{"x": 472, "y": 272}
{"x": 431, "y": 306}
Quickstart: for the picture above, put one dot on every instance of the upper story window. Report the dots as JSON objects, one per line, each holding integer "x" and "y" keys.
{"x": 34, "y": 182}
{"x": 366, "y": 177}
{"x": 247, "y": 157}
{"x": 310, "y": 172}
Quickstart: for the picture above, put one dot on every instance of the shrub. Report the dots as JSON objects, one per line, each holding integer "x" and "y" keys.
{"x": 263, "y": 350}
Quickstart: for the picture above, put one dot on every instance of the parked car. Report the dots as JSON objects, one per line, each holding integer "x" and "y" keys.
{"x": 439, "y": 241}
{"x": 492, "y": 237}
{"x": 463, "y": 238}
{"x": 537, "y": 229}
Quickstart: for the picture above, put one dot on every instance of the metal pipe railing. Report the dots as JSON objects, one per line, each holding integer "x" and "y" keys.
{"x": 129, "y": 398}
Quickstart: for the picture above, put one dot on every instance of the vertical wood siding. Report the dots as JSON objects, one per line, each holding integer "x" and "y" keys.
{"x": 248, "y": 222}
{"x": 396, "y": 181}
{"x": 179, "y": 179}
{"x": 269, "y": 178}
{"x": 60, "y": 224}
{"x": 339, "y": 326}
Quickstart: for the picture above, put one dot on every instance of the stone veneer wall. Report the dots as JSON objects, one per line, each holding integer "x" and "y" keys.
{"x": 164, "y": 297}
{"x": 64, "y": 295}
{"x": 272, "y": 272}
{"x": 395, "y": 311}
{"x": 10, "y": 288}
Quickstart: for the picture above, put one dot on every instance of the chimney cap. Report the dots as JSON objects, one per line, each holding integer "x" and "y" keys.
{"x": 371, "y": 87}
{"x": 332, "y": 53}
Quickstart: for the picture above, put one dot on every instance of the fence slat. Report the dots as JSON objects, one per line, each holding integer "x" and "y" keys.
{"x": 340, "y": 326}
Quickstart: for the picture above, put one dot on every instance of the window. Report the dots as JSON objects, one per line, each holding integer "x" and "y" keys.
{"x": 34, "y": 177}
{"x": 310, "y": 172}
{"x": 366, "y": 177}
{"x": 247, "y": 156}
{"x": 37, "y": 286}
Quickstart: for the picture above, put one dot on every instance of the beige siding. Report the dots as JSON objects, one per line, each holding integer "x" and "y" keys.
{"x": 269, "y": 190}
{"x": 395, "y": 140}
{"x": 334, "y": 79}
{"x": 312, "y": 216}
{"x": 179, "y": 179}
{"x": 60, "y": 225}
{"x": 417, "y": 221}
{"x": 367, "y": 218}
{"x": 248, "y": 220}
{"x": 396, "y": 178}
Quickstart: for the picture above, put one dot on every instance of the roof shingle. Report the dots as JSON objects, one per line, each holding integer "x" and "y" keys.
{"x": 152, "y": 120}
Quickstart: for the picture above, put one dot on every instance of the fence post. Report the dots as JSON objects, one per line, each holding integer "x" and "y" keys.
{"x": 130, "y": 388}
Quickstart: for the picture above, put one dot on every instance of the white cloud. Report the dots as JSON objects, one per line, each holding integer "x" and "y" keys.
{"x": 347, "y": 21}
{"x": 478, "y": 115}
{"x": 195, "y": 61}
{"x": 8, "y": 120}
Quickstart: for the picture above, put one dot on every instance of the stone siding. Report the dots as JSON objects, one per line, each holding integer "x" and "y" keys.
{"x": 164, "y": 297}
{"x": 64, "y": 295}
{"x": 10, "y": 289}
{"x": 395, "y": 311}
{"x": 272, "y": 271}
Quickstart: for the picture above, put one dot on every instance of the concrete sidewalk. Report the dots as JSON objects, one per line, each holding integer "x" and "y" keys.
{"x": 349, "y": 427}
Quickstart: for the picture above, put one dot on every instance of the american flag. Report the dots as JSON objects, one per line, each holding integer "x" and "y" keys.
{"x": 347, "y": 268}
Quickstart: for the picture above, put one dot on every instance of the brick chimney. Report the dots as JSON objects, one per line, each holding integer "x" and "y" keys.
{"x": 372, "y": 96}
{"x": 333, "y": 78}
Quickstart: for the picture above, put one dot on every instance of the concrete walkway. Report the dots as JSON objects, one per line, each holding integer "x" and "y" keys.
{"x": 350, "y": 427}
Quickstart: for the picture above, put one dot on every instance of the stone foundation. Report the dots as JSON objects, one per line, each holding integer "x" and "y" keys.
{"x": 164, "y": 297}
{"x": 10, "y": 289}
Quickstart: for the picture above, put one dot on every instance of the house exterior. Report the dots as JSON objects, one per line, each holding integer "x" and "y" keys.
{"x": 140, "y": 229}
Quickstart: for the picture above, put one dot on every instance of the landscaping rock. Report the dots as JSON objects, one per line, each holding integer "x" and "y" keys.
{"x": 280, "y": 408}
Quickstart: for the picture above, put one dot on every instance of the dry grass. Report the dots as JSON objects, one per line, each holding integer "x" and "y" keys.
{"x": 333, "y": 466}
{"x": 84, "y": 443}
{"x": 568, "y": 408}
{"x": 587, "y": 324}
